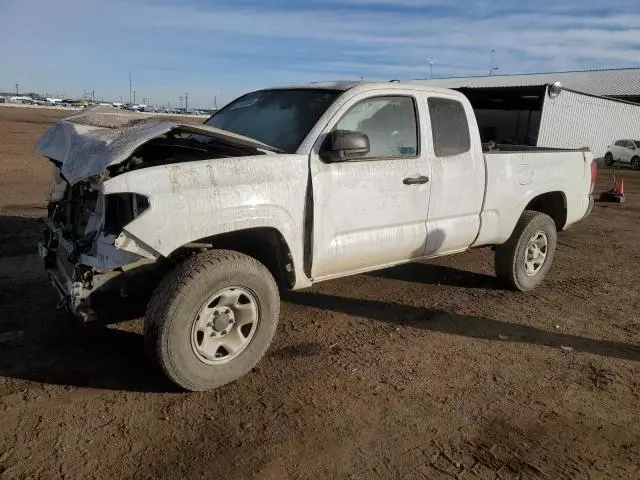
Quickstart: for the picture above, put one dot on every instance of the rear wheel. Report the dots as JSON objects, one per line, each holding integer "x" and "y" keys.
{"x": 635, "y": 163}
{"x": 212, "y": 319}
{"x": 608, "y": 159}
{"x": 525, "y": 259}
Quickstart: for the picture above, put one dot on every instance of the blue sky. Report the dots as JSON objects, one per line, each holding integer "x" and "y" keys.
{"x": 212, "y": 48}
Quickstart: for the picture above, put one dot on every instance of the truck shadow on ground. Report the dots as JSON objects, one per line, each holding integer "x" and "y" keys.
{"x": 474, "y": 327}
{"x": 439, "y": 275}
{"x": 90, "y": 357}
{"x": 19, "y": 235}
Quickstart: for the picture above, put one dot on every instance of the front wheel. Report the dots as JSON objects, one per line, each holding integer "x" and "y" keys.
{"x": 635, "y": 163}
{"x": 525, "y": 259}
{"x": 211, "y": 319}
{"x": 608, "y": 159}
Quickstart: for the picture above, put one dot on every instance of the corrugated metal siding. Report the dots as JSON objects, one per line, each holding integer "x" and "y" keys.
{"x": 614, "y": 82}
{"x": 573, "y": 120}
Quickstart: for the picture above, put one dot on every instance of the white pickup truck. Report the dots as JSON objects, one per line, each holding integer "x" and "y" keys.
{"x": 286, "y": 187}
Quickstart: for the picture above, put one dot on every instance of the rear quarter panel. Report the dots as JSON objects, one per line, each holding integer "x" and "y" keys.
{"x": 514, "y": 179}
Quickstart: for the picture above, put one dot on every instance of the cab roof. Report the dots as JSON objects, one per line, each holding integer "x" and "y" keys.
{"x": 344, "y": 85}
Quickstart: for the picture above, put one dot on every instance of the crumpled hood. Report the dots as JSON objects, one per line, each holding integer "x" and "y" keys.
{"x": 89, "y": 142}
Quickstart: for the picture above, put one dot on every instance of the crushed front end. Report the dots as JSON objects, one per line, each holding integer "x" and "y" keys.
{"x": 86, "y": 247}
{"x": 81, "y": 245}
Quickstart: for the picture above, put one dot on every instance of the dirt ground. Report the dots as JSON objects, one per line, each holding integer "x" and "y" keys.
{"x": 427, "y": 371}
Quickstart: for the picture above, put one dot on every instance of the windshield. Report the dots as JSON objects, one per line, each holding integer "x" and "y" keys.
{"x": 279, "y": 118}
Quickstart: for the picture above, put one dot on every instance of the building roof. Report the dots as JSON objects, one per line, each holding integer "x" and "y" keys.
{"x": 612, "y": 82}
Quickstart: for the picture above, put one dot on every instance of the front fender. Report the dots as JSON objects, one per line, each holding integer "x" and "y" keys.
{"x": 166, "y": 233}
{"x": 196, "y": 200}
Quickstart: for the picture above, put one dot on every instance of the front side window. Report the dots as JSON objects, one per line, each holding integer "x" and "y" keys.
{"x": 389, "y": 122}
{"x": 620, "y": 143}
{"x": 449, "y": 127}
{"x": 279, "y": 118}
{"x": 637, "y": 143}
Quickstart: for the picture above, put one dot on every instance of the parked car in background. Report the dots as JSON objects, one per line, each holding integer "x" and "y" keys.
{"x": 624, "y": 151}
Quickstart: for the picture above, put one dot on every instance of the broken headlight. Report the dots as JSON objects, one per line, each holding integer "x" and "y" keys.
{"x": 121, "y": 209}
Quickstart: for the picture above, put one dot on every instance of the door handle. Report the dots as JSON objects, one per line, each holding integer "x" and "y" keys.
{"x": 415, "y": 180}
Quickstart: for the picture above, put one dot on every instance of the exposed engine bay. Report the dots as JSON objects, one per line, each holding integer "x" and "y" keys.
{"x": 177, "y": 148}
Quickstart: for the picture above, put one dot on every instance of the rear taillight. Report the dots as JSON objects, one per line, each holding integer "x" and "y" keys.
{"x": 594, "y": 175}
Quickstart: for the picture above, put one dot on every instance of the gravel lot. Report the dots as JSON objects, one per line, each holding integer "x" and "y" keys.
{"x": 427, "y": 371}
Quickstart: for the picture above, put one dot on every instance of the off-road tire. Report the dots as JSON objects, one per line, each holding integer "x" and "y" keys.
{"x": 510, "y": 256}
{"x": 635, "y": 163}
{"x": 175, "y": 304}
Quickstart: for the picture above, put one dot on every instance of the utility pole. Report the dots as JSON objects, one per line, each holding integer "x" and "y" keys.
{"x": 430, "y": 67}
{"x": 186, "y": 102}
{"x": 215, "y": 103}
{"x": 129, "y": 88}
{"x": 134, "y": 97}
{"x": 492, "y": 67}
{"x": 93, "y": 95}
{"x": 17, "y": 90}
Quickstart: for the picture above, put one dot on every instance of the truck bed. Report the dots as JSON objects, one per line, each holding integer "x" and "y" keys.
{"x": 508, "y": 148}
{"x": 518, "y": 172}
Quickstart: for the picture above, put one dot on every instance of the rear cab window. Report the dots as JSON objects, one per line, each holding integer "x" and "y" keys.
{"x": 449, "y": 127}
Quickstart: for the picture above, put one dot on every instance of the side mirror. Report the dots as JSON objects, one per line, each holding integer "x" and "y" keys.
{"x": 343, "y": 145}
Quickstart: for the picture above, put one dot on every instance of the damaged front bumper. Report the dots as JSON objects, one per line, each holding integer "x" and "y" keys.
{"x": 79, "y": 279}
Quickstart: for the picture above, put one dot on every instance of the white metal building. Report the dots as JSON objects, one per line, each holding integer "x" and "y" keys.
{"x": 593, "y": 109}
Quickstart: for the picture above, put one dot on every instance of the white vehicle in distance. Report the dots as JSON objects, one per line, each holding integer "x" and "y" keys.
{"x": 283, "y": 188}
{"x": 623, "y": 151}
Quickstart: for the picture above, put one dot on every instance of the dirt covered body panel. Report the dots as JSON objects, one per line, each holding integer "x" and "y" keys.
{"x": 194, "y": 200}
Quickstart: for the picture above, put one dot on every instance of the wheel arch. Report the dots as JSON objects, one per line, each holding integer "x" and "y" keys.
{"x": 266, "y": 244}
{"x": 553, "y": 204}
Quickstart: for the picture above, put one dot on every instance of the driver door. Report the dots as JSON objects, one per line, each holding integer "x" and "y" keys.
{"x": 371, "y": 211}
